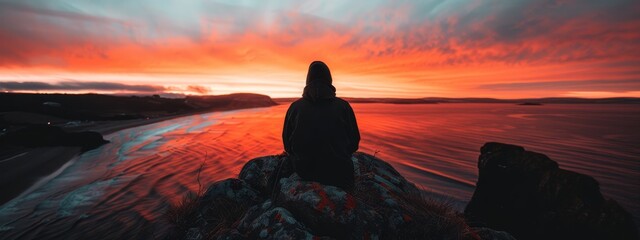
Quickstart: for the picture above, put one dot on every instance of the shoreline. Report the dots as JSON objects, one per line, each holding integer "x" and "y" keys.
{"x": 30, "y": 168}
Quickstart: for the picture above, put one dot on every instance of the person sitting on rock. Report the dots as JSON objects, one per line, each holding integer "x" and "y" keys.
{"x": 320, "y": 132}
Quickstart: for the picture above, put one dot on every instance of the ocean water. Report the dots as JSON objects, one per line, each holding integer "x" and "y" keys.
{"x": 121, "y": 189}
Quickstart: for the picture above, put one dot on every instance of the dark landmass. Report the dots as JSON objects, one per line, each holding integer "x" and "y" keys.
{"x": 39, "y": 133}
{"x": 530, "y": 104}
{"x": 51, "y": 136}
{"x": 97, "y": 107}
{"x": 519, "y": 193}
{"x": 432, "y": 100}
{"x": 108, "y": 113}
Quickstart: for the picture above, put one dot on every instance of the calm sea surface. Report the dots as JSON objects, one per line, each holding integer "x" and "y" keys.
{"x": 121, "y": 189}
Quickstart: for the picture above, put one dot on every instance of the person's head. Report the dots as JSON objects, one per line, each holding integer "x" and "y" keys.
{"x": 319, "y": 83}
{"x": 319, "y": 73}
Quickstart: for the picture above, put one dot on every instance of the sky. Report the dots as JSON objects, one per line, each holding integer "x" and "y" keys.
{"x": 375, "y": 48}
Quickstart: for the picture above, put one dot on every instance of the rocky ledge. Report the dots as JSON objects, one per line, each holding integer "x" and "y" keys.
{"x": 519, "y": 192}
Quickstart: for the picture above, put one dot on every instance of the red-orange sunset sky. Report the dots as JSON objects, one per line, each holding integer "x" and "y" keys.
{"x": 476, "y": 48}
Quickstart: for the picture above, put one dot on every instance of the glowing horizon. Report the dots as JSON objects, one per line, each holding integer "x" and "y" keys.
{"x": 409, "y": 49}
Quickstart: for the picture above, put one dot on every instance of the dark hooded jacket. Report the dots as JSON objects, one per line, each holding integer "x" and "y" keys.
{"x": 320, "y": 132}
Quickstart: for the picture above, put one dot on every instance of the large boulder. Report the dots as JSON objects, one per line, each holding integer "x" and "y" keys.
{"x": 526, "y": 194}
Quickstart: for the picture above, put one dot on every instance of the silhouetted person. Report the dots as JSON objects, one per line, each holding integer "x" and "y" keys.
{"x": 320, "y": 132}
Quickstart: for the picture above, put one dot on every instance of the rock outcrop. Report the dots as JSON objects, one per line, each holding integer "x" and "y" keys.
{"x": 519, "y": 193}
{"x": 528, "y": 195}
{"x": 269, "y": 201}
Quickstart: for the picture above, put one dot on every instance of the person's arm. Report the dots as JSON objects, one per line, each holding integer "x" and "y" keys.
{"x": 289, "y": 125}
{"x": 354, "y": 133}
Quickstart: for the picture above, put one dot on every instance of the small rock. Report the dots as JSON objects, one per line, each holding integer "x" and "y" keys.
{"x": 260, "y": 173}
{"x": 233, "y": 189}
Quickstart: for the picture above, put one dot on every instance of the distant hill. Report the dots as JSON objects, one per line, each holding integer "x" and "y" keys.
{"x": 232, "y": 101}
{"x": 110, "y": 107}
{"x": 432, "y": 100}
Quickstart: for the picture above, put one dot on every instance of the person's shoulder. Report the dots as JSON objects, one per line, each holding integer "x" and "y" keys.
{"x": 297, "y": 103}
{"x": 342, "y": 102}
